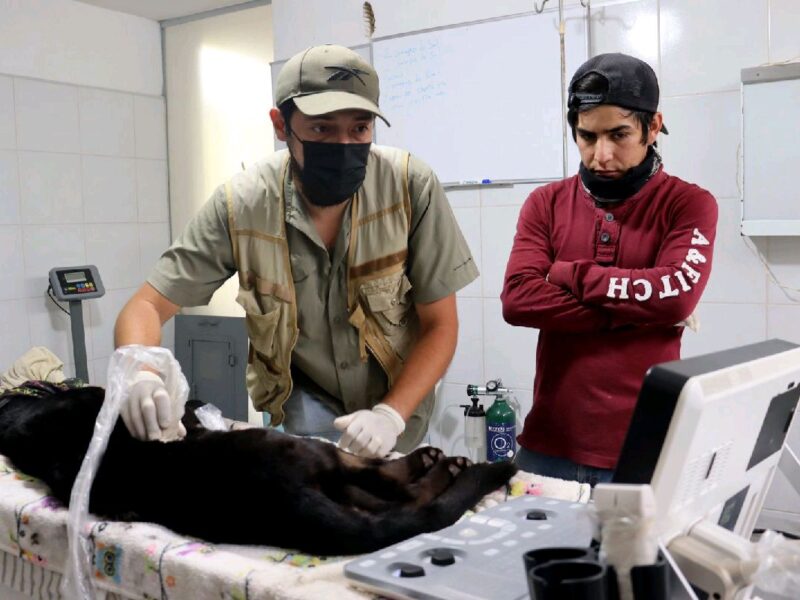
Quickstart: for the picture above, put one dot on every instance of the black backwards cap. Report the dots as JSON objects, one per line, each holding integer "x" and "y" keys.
{"x": 632, "y": 84}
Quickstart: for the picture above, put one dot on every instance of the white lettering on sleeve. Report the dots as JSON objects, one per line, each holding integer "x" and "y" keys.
{"x": 647, "y": 288}
{"x": 698, "y": 239}
{"x": 668, "y": 290}
{"x": 691, "y": 273}
{"x": 695, "y": 257}
{"x": 621, "y": 287}
{"x": 682, "y": 280}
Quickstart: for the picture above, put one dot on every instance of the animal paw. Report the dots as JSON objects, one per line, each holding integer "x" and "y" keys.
{"x": 458, "y": 464}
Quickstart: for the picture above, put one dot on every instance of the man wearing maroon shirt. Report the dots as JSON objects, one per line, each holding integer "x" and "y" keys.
{"x": 604, "y": 264}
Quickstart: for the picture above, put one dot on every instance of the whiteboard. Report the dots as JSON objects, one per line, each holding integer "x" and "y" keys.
{"x": 480, "y": 101}
{"x": 770, "y": 150}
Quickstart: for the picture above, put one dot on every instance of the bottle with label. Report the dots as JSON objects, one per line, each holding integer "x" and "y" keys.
{"x": 501, "y": 431}
{"x": 475, "y": 429}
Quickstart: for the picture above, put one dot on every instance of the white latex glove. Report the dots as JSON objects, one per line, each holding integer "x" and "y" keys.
{"x": 371, "y": 433}
{"x": 149, "y": 413}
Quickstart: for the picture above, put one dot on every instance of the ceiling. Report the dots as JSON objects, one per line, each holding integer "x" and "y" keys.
{"x": 159, "y": 10}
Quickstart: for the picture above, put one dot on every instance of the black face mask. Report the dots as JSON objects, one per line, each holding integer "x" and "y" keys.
{"x": 606, "y": 190}
{"x": 332, "y": 172}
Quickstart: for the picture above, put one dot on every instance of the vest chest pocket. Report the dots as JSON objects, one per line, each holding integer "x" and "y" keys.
{"x": 389, "y": 302}
{"x": 262, "y": 315}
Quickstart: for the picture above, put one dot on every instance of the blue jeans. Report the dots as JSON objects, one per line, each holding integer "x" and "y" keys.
{"x": 307, "y": 415}
{"x": 563, "y": 468}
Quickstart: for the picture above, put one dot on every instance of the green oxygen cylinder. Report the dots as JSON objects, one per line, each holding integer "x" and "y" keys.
{"x": 501, "y": 431}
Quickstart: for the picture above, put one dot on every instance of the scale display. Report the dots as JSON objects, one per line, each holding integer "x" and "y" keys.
{"x": 76, "y": 283}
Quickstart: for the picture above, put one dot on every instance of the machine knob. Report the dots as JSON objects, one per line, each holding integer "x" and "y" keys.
{"x": 442, "y": 557}
{"x": 536, "y": 515}
{"x": 409, "y": 570}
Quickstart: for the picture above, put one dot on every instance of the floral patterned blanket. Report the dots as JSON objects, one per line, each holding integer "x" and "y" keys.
{"x": 143, "y": 561}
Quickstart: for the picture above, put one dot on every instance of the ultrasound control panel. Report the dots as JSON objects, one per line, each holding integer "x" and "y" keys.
{"x": 76, "y": 283}
{"x": 478, "y": 557}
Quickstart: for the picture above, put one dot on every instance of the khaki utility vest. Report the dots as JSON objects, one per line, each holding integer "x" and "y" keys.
{"x": 377, "y": 299}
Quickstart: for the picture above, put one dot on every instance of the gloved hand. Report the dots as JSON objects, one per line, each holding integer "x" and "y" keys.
{"x": 371, "y": 433}
{"x": 149, "y": 413}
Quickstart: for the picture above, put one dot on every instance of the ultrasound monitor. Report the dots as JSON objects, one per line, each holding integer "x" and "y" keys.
{"x": 707, "y": 434}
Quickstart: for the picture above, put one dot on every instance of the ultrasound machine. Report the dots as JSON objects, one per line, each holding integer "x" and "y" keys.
{"x": 705, "y": 440}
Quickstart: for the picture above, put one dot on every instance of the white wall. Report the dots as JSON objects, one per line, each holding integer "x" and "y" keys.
{"x": 73, "y": 42}
{"x": 697, "y": 49}
{"x": 83, "y": 171}
{"x": 219, "y": 94}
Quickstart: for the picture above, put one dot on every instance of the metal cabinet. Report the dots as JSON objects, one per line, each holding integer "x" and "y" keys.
{"x": 212, "y": 352}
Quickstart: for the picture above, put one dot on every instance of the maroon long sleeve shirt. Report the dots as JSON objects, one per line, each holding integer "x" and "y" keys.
{"x": 606, "y": 288}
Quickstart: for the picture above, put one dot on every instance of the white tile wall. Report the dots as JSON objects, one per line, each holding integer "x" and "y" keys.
{"x": 48, "y": 246}
{"x": 737, "y": 274}
{"x": 704, "y": 45}
{"x": 8, "y": 131}
{"x": 10, "y": 266}
{"x": 151, "y": 132}
{"x": 469, "y": 220}
{"x": 724, "y": 326}
{"x": 631, "y": 28}
{"x": 9, "y": 188}
{"x": 153, "y": 239}
{"x": 499, "y": 224}
{"x": 783, "y": 256}
{"x": 703, "y": 141}
{"x": 509, "y": 353}
{"x": 50, "y": 187}
{"x": 783, "y": 321}
{"x": 467, "y": 364}
{"x": 784, "y": 23}
{"x": 106, "y": 123}
{"x": 16, "y": 331}
{"x": 83, "y": 180}
{"x": 151, "y": 191}
{"x": 109, "y": 189}
{"x": 116, "y": 251}
{"x": 46, "y": 116}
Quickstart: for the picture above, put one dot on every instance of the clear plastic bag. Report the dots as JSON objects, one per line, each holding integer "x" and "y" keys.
{"x": 776, "y": 564}
{"x": 123, "y": 364}
{"x": 211, "y": 417}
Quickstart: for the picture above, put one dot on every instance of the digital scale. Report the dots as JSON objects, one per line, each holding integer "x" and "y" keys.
{"x": 74, "y": 285}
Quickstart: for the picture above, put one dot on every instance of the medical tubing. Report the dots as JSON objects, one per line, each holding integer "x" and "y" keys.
{"x": 123, "y": 364}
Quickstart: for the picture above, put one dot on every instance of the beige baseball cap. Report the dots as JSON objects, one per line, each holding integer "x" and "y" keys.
{"x": 324, "y": 79}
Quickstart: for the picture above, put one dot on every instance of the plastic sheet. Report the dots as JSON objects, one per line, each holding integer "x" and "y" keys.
{"x": 123, "y": 364}
{"x": 776, "y": 565}
{"x": 211, "y": 418}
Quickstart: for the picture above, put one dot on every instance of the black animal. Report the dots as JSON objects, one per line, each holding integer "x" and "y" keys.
{"x": 296, "y": 493}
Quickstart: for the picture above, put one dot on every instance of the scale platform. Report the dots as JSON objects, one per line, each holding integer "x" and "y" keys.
{"x": 479, "y": 557}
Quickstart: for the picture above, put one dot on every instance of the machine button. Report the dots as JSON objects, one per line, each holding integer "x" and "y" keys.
{"x": 409, "y": 570}
{"x": 442, "y": 557}
{"x": 536, "y": 515}
{"x": 604, "y": 237}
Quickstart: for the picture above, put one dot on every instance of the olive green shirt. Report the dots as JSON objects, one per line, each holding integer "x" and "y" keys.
{"x": 327, "y": 353}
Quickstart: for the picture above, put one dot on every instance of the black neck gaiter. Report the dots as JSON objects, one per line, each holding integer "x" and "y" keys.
{"x": 606, "y": 191}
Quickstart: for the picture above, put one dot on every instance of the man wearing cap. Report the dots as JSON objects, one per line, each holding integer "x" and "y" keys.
{"x": 605, "y": 264}
{"x": 348, "y": 259}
